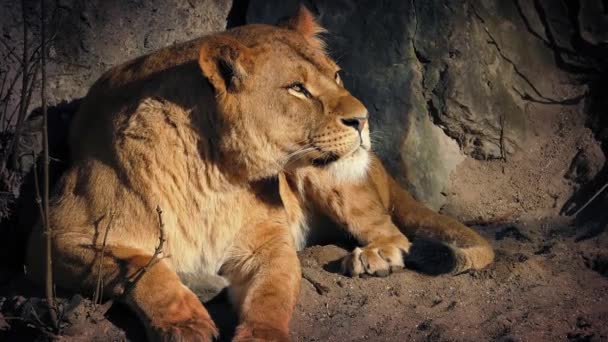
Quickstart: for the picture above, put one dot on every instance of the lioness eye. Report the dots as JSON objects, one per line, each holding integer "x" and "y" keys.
{"x": 337, "y": 77}
{"x": 299, "y": 88}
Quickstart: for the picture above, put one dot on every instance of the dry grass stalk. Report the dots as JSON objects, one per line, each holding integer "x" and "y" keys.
{"x": 45, "y": 159}
{"x": 98, "y": 295}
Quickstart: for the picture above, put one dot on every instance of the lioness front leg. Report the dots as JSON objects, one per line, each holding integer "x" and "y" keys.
{"x": 384, "y": 246}
{"x": 467, "y": 248}
{"x": 168, "y": 309}
{"x": 265, "y": 281}
{"x": 358, "y": 208}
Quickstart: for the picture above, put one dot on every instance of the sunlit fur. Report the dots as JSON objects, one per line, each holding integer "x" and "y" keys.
{"x": 211, "y": 132}
{"x": 350, "y": 169}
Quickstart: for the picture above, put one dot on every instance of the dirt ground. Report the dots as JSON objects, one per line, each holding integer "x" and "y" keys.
{"x": 533, "y": 183}
{"x": 544, "y": 286}
{"x": 547, "y": 284}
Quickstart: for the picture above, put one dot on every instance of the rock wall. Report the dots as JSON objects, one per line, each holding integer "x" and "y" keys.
{"x": 90, "y": 36}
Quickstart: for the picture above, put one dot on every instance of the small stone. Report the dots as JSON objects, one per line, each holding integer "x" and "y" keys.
{"x": 425, "y": 325}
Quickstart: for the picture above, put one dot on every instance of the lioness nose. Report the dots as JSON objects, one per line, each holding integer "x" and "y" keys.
{"x": 357, "y": 122}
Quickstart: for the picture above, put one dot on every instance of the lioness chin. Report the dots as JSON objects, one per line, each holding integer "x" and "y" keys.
{"x": 241, "y": 138}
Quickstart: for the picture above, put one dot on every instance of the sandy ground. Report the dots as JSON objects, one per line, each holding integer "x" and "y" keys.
{"x": 546, "y": 285}
{"x": 532, "y": 183}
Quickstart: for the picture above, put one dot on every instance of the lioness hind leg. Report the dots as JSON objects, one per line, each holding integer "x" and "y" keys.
{"x": 168, "y": 309}
{"x": 265, "y": 281}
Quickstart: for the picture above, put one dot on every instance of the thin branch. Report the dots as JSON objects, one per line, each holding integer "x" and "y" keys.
{"x": 24, "y": 79}
{"x": 590, "y": 200}
{"x": 45, "y": 158}
{"x": 3, "y": 82}
{"x": 32, "y": 73}
{"x": 11, "y": 51}
{"x": 24, "y": 99}
{"x": 98, "y": 296}
{"x": 37, "y": 188}
{"x": 30, "y": 90}
{"x": 157, "y": 252}
{"x": 9, "y": 91}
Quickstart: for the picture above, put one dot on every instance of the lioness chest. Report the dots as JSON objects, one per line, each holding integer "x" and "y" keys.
{"x": 170, "y": 162}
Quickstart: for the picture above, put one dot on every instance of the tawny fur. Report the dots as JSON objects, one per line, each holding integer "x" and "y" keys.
{"x": 217, "y": 134}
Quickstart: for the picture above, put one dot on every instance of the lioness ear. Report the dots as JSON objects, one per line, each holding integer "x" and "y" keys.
{"x": 305, "y": 23}
{"x": 225, "y": 62}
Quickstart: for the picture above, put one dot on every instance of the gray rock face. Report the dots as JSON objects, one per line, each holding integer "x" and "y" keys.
{"x": 442, "y": 80}
{"x": 89, "y": 37}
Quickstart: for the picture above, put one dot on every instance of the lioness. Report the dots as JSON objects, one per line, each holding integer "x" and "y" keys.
{"x": 241, "y": 138}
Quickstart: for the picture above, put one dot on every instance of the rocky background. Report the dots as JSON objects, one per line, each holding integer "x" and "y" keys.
{"x": 493, "y": 111}
{"x": 486, "y": 109}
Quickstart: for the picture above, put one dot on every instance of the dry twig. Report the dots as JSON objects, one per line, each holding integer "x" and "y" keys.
{"x": 24, "y": 87}
{"x": 27, "y": 70}
{"x": 155, "y": 257}
{"x": 590, "y": 200}
{"x": 98, "y": 295}
{"x": 45, "y": 158}
{"x": 37, "y": 188}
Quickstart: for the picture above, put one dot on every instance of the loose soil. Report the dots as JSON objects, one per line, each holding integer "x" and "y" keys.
{"x": 529, "y": 184}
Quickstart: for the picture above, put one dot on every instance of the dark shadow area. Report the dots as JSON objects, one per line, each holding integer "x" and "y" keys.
{"x": 219, "y": 308}
{"x": 223, "y": 315}
{"x": 512, "y": 232}
{"x": 597, "y": 263}
{"x": 23, "y": 213}
{"x": 238, "y": 14}
{"x": 431, "y": 257}
{"x": 589, "y": 201}
{"x": 334, "y": 266}
{"x": 121, "y": 316}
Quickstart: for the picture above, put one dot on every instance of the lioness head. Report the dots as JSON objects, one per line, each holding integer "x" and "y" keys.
{"x": 281, "y": 102}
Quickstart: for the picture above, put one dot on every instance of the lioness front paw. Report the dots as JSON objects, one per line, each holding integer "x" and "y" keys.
{"x": 376, "y": 259}
{"x": 255, "y": 332}
{"x": 184, "y": 319}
